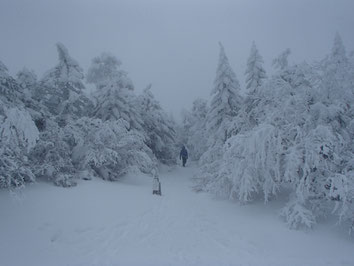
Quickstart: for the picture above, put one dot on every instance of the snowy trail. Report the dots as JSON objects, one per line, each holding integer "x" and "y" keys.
{"x": 122, "y": 223}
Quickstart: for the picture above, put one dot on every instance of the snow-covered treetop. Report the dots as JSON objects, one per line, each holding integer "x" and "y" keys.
{"x": 225, "y": 76}
{"x": 148, "y": 89}
{"x": 338, "y": 50}
{"x": 255, "y": 72}
{"x": 104, "y": 71}
{"x": 200, "y": 108}
{"x": 9, "y": 88}
{"x": 72, "y": 72}
{"x": 103, "y": 67}
{"x": 3, "y": 67}
{"x": 67, "y": 71}
{"x": 148, "y": 101}
{"x": 281, "y": 62}
{"x": 337, "y": 77}
{"x": 3, "y": 70}
{"x": 226, "y": 85}
{"x": 337, "y": 57}
{"x": 26, "y": 78}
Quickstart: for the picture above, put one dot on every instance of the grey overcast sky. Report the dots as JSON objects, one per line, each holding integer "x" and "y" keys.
{"x": 172, "y": 44}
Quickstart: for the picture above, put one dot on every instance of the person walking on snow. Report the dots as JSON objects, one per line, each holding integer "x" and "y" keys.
{"x": 183, "y": 155}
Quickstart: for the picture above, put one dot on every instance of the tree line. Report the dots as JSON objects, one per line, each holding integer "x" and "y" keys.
{"x": 52, "y": 130}
{"x": 292, "y": 133}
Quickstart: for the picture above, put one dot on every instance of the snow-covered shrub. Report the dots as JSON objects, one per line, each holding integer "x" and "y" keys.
{"x": 297, "y": 215}
{"x": 249, "y": 165}
{"x": 108, "y": 149}
{"x": 18, "y": 130}
{"x": 253, "y": 162}
{"x": 18, "y": 136}
{"x": 18, "y": 133}
{"x": 51, "y": 157}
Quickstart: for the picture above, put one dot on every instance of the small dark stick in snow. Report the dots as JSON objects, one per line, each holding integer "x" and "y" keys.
{"x": 156, "y": 185}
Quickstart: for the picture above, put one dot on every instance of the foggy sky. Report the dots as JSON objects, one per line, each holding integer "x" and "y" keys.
{"x": 171, "y": 44}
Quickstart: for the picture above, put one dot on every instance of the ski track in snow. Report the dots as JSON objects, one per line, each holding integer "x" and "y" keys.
{"x": 122, "y": 223}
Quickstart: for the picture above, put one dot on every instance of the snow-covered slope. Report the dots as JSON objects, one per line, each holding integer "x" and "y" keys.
{"x": 122, "y": 223}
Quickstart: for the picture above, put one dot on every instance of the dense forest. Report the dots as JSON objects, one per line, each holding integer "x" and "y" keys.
{"x": 291, "y": 133}
{"x": 52, "y": 130}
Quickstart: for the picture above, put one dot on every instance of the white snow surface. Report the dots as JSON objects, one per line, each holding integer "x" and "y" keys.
{"x": 122, "y": 223}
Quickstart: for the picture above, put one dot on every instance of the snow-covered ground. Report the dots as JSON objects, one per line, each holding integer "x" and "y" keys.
{"x": 122, "y": 223}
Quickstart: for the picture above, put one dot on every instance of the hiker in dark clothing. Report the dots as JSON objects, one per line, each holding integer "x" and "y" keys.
{"x": 183, "y": 155}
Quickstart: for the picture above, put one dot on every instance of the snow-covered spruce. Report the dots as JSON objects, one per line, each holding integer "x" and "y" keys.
{"x": 224, "y": 107}
{"x": 158, "y": 127}
{"x": 115, "y": 99}
{"x": 294, "y": 133}
{"x": 114, "y": 91}
{"x": 61, "y": 89}
{"x": 60, "y": 96}
{"x": 255, "y": 73}
{"x": 225, "y": 102}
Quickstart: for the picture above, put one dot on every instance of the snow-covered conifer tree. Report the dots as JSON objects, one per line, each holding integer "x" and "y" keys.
{"x": 27, "y": 80}
{"x": 117, "y": 104}
{"x": 255, "y": 73}
{"x": 337, "y": 78}
{"x": 160, "y": 130}
{"x": 10, "y": 90}
{"x": 61, "y": 91}
{"x": 281, "y": 62}
{"x": 255, "y": 77}
{"x": 105, "y": 69}
{"x": 114, "y": 97}
{"x": 224, "y": 107}
{"x": 226, "y": 100}
{"x": 62, "y": 87}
